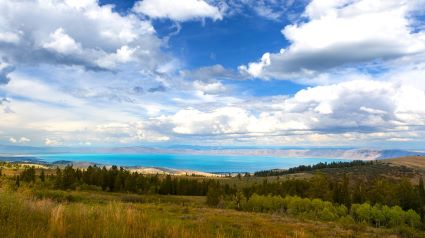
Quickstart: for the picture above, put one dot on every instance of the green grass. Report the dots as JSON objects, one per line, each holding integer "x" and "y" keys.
{"x": 37, "y": 210}
{"x": 30, "y": 212}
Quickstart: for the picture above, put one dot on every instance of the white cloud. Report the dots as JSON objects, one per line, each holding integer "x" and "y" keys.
{"x": 181, "y": 10}
{"x": 51, "y": 142}
{"x": 209, "y": 87}
{"x": 256, "y": 69}
{"x": 340, "y": 33}
{"x": 82, "y": 33}
{"x": 124, "y": 54}
{"x": 219, "y": 121}
{"x": 355, "y": 109}
{"x": 24, "y": 140}
{"x": 21, "y": 140}
{"x": 144, "y": 99}
{"x": 9, "y": 37}
{"x": 62, "y": 43}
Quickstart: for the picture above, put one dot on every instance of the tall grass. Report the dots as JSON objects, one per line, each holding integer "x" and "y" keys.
{"x": 23, "y": 216}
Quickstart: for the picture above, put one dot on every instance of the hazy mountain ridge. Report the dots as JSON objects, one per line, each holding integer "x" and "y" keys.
{"x": 341, "y": 153}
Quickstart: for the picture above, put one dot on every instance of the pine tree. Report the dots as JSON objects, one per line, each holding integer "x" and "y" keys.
{"x": 58, "y": 180}
{"x": 42, "y": 176}
{"x": 214, "y": 194}
{"x": 28, "y": 175}
{"x": 421, "y": 193}
{"x": 17, "y": 182}
{"x": 345, "y": 192}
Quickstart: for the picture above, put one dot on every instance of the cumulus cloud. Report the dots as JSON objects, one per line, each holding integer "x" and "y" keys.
{"x": 79, "y": 33}
{"x": 209, "y": 87}
{"x": 182, "y": 10}
{"x": 20, "y": 140}
{"x": 24, "y": 140}
{"x": 209, "y": 79}
{"x": 9, "y": 37}
{"x": 128, "y": 132}
{"x": 347, "y": 108}
{"x": 62, "y": 43}
{"x": 342, "y": 33}
{"x": 51, "y": 142}
{"x": 52, "y": 43}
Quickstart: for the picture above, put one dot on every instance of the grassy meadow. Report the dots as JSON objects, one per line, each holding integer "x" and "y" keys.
{"x": 38, "y": 209}
{"x": 96, "y": 214}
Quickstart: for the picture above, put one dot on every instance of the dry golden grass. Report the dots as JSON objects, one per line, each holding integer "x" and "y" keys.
{"x": 22, "y": 216}
{"x": 417, "y": 162}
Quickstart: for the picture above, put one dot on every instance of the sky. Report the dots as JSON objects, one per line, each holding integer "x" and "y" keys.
{"x": 212, "y": 72}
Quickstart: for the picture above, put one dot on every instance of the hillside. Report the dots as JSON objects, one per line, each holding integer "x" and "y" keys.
{"x": 100, "y": 214}
{"x": 415, "y": 162}
{"x": 343, "y": 199}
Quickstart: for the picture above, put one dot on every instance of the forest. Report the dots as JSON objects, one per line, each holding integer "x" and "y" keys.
{"x": 380, "y": 202}
{"x": 305, "y": 168}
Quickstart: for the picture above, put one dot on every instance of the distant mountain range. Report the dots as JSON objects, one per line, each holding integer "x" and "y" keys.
{"x": 316, "y": 152}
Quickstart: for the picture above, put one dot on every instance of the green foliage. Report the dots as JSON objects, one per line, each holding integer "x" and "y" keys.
{"x": 214, "y": 194}
{"x": 28, "y": 175}
{"x": 322, "y": 210}
{"x": 42, "y": 176}
{"x": 21, "y": 216}
{"x": 305, "y": 168}
{"x": 121, "y": 180}
{"x": 380, "y": 202}
{"x": 384, "y": 215}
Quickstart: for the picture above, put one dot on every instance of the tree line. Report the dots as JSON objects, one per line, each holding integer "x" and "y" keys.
{"x": 117, "y": 179}
{"x": 307, "y": 168}
{"x": 317, "y": 209}
{"x": 345, "y": 190}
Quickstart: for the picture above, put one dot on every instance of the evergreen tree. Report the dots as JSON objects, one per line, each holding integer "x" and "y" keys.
{"x": 42, "y": 176}
{"x": 17, "y": 182}
{"x": 214, "y": 194}
{"x": 68, "y": 177}
{"x": 28, "y": 175}
{"x": 421, "y": 194}
{"x": 58, "y": 178}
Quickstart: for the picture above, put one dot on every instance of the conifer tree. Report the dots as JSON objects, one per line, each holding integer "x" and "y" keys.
{"x": 17, "y": 182}
{"x": 42, "y": 176}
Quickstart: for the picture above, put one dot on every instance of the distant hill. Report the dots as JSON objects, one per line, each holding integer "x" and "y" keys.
{"x": 293, "y": 152}
{"x": 417, "y": 162}
{"x": 386, "y": 154}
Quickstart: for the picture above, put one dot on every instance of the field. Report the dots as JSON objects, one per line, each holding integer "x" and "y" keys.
{"x": 416, "y": 162}
{"x": 38, "y": 209}
{"x": 100, "y": 214}
{"x": 412, "y": 167}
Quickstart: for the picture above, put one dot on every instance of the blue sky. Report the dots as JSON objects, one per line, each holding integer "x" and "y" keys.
{"x": 212, "y": 72}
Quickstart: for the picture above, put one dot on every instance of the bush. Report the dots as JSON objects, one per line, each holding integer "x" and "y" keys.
{"x": 326, "y": 211}
{"x": 58, "y": 196}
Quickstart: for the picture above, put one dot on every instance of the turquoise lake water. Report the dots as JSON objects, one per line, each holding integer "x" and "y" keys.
{"x": 206, "y": 163}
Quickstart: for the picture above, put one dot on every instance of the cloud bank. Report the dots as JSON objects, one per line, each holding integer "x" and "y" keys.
{"x": 77, "y": 73}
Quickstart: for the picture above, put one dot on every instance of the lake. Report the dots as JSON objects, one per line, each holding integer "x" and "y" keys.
{"x": 205, "y": 163}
